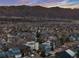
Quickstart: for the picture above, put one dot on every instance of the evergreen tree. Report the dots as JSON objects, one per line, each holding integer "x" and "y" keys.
{"x": 77, "y": 54}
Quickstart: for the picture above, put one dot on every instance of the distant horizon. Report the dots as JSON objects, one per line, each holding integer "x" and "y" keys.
{"x": 36, "y": 6}
{"x": 44, "y": 3}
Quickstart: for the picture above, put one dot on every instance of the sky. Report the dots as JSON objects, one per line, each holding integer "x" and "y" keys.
{"x": 44, "y": 3}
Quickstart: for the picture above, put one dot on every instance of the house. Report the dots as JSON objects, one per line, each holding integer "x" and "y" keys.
{"x": 70, "y": 52}
{"x": 16, "y": 52}
{"x": 9, "y": 54}
{"x": 65, "y": 54}
{"x": 33, "y": 45}
{"x": 3, "y": 54}
{"x": 55, "y": 42}
{"x": 46, "y": 48}
{"x": 74, "y": 37}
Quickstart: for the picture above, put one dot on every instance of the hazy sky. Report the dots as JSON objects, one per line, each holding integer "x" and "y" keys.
{"x": 45, "y": 3}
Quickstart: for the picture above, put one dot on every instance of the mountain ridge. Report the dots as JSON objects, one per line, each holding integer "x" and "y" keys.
{"x": 39, "y": 11}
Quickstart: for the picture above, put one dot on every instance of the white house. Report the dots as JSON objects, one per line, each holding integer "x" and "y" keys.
{"x": 33, "y": 45}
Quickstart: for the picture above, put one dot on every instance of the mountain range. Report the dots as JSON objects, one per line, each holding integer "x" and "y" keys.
{"x": 39, "y": 11}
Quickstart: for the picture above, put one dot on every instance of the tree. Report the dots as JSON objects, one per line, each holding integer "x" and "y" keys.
{"x": 62, "y": 39}
{"x": 38, "y": 35}
{"x": 77, "y": 54}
